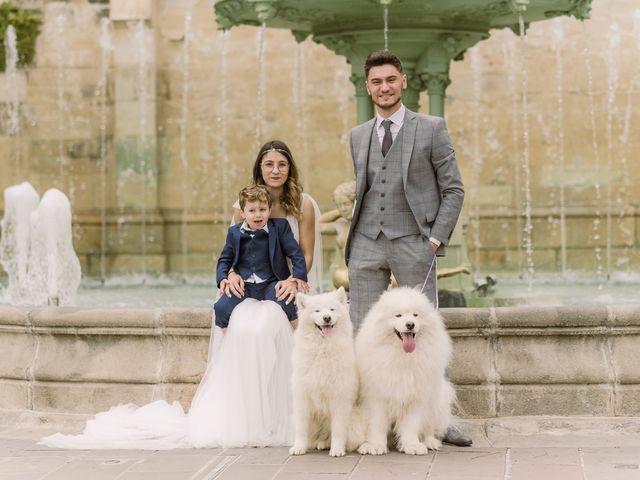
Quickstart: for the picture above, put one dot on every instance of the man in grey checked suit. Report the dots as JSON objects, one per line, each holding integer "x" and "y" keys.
{"x": 408, "y": 196}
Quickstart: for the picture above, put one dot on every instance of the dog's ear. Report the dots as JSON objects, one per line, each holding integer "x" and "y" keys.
{"x": 342, "y": 295}
{"x": 301, "y": 299}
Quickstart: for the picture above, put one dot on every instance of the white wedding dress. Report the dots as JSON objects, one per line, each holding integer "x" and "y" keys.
{"x": 243, "y": 399}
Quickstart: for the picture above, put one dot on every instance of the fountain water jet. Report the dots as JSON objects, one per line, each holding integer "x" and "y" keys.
{"x": 476, "y": 162}
{"x": 385, "y": 17}
{"x": 61, "y": 104}
{"x": 260, "y": 101}
{"x": 53, "y": 271}
{"x": 19, "y": 201}
{"x": 509, "y": 55}
{"x": 106, "y": 47}
{"x": 184, "y": 116}
{"x": 300, "y": 102}
{"x": 525, "y": 158}
{"x": 11, "y": 85}
{"x": 558, "y": 38}
{"x": 621, "y": 192}
{"x": 596, "y": 153}
{"x": 613, "y": 75}
{"x": 142, "y": 44}
{"x": 227, "y": 166}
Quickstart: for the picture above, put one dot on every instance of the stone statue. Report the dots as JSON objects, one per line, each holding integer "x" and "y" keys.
{"x": 337, "y": 222}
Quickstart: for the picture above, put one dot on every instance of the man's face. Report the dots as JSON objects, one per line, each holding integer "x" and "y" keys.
{"x": 385, "y": 84}
{"x": 256, "y": 214}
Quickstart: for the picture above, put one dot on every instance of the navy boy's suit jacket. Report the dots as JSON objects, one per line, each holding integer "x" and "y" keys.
{"x": 282, "y": 244}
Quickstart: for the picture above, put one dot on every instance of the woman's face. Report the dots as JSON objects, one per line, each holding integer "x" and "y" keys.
{"x": 274, "y": 167}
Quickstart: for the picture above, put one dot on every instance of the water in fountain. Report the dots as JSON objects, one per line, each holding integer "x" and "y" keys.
{"x": 341, "y": 86}
{"x": 53, "y": 270}
{"x": 385, "y": 16}
{"x": 508, "y": 51}
{"x": 596, "y": 152}
{"x": 300, "y": 102}
{"x": 61, "y": 104}
{"x": 476, "y": 163}
{"x": 526, "y": 240}
{"x": 19, "y": 201}
{"x": 106, "y": 47}
{"x": 142, "y": 43}
{"x": 11, "y": 86}
{"x": 260, "y": 103}
{"x": 621, "y": 192}
{"x": 223, "y": 115}
{"x": 613, "y": 75}
{"x": 184, "y": 117}
{"x": 558, "y": 41}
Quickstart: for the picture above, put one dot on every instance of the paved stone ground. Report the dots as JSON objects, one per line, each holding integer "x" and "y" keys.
{"x": 517, "y": 448}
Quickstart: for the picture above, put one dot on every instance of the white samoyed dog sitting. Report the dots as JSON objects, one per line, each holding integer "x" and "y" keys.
{"x": 324, "y": 380}
{"x": 402, "y": 351}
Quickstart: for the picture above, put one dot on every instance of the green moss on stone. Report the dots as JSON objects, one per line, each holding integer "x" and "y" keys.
{"x": 27, "y": 27}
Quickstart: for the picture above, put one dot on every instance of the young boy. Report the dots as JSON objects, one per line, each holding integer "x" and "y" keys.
{"x": 257, "y": 250}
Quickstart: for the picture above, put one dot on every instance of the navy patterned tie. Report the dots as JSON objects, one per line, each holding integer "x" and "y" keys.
{"x": 388, "y": 139}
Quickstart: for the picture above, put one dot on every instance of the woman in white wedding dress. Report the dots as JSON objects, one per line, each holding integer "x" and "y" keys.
{"x": 244, "y": 396}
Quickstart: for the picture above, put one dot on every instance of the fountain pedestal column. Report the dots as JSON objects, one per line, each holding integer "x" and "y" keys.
{"x": 425, "y": 55}
{"x": 364, "y": 106}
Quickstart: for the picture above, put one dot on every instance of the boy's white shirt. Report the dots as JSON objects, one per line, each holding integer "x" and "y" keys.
{"x": 245, "y": 228}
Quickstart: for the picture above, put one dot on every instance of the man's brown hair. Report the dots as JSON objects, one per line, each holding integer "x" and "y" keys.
{"x": 254, "y": 193}
{"x": 377, "y": 59}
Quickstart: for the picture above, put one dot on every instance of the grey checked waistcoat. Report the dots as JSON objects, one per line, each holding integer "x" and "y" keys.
{"x": 384, "y": 206}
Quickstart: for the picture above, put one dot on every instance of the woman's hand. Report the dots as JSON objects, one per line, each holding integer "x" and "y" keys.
{"x": 232, "y": 285}
{"x": 286, "y": 290}
{"x": 301, "y": 285}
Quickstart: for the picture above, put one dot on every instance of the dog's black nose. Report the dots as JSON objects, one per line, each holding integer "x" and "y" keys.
{"x": 327, "y": 318}
{"x": 410, "y": 325}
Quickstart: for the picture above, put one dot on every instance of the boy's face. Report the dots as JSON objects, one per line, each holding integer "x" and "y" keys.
{"x": 256, "y": 214}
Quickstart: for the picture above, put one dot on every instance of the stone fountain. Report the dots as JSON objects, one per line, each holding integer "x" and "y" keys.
{"x": 426, "y": 35}
{"x": 579, "y": 360}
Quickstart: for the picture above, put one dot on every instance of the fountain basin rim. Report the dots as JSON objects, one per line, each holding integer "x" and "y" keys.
{"x": 403, "y": 34}
{"x": 189, "y": 318}
{"x": 87, "y": 318}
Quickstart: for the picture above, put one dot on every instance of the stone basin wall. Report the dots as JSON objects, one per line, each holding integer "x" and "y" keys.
{"x": 507, "y": 361}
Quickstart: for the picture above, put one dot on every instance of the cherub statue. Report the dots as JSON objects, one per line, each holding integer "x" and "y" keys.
{"x": 338, "y": 222}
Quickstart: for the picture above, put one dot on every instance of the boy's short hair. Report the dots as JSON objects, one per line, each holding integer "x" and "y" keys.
{"x": 254, "y": 193}
{"x": 383, "y": 57}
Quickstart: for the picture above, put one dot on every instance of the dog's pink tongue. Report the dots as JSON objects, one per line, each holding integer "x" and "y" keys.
{"x": 326, "y": 331}
{"x": 408, "y": 342}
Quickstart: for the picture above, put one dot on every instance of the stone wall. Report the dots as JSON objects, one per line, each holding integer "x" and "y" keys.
{"x": 164, "y": 162}
{"x": 507, "y": 361}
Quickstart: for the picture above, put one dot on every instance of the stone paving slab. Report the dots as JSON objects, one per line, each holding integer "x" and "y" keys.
{"x": 517, "y": 448}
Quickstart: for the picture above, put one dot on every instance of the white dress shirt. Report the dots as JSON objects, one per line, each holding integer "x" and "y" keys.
{"x": 245, "y": 228}
{"x": 397, "y": 120}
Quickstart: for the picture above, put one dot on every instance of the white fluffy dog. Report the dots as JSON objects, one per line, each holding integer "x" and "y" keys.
{"x": 324, "y": 380}
{"x": 402, "y": 352}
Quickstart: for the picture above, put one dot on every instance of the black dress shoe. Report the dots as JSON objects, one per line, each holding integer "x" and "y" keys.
{"x": 456, "y": 437}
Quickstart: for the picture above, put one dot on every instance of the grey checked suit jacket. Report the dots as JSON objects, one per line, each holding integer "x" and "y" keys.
{"x": 430, "y": 175}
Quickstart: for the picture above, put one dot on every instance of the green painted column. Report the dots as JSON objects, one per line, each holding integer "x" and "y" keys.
{"x": 364, "y": 105}
{"x": 411, "y": 96}
{"x": 436, "y": 84}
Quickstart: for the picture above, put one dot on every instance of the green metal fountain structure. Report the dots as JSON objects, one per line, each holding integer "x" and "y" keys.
{"x": 426, "y": 35}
